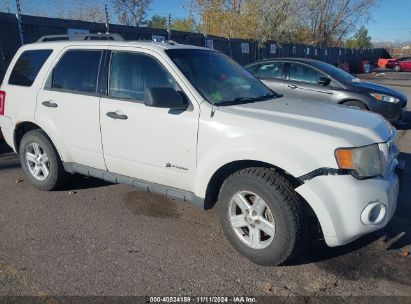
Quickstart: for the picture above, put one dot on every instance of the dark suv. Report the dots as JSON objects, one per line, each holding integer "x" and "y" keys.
{"x": 316, "y": 80}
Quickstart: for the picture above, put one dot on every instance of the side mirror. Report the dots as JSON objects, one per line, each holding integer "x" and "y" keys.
{"x": 324, "y": 81}
{"x": 165, "y": 97}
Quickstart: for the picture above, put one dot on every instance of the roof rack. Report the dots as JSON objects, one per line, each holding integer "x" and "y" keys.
{"x": 81, "y": 37}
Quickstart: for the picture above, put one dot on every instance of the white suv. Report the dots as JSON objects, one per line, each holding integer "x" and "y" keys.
{"x": 192, "y": 124}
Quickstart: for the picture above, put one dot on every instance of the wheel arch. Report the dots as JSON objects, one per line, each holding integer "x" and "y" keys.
{"x": 221, "y": 174}
{"x": 341, "y": 102}
{"x": 27, "y": 126}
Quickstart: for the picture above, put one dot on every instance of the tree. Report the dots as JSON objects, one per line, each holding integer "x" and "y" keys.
{"x": 227, "y": 18}
{"x": 84, "y": 12}
{"x": 278, "y": 20}
{"x": 184, "y": 25}
{"x": 362, "y": 38}
{"x": 131, "y": 12}
{"x": 158, "y": 22}
{"x": 329, "y": 21}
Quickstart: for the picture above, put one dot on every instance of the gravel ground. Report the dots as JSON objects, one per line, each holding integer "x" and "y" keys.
{"x": 95, "y": 238}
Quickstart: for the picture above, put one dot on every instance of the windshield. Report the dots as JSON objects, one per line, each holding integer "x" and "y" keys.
{"x": 218, "y": 78}
{"x": 335, "y": 72}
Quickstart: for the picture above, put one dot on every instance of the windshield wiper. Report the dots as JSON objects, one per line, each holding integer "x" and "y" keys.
{"x": 244, "y": 100}
{"x": 268, "y": 96}
{"x": 236, "y": 101}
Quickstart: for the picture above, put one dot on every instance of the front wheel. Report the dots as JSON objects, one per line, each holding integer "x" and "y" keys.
{"x": 41, "y": 162}
{"x": 397, "y": 68}
{"x": 262, "y": 216}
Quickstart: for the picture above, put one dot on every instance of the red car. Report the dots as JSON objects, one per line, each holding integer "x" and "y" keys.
{"x": 400, "y": 64}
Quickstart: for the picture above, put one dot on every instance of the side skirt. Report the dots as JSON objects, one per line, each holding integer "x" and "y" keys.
{"x": 136, "y": 183}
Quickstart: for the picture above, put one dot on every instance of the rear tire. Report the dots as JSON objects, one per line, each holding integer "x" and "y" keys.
{"x": 355, "y": 104}
{"x": 41, "y": 162}
{"x": 274, "y": 228}
{"x": 397, "y": 68}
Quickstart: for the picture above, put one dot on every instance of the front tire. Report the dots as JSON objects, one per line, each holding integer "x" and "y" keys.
{"x": 262, "y": 216}
{"x": 397, "y": 68}
{"x": 41, "y": 162}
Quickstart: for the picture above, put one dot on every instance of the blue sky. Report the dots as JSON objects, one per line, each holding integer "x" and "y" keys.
{"x": 390, "y": 19}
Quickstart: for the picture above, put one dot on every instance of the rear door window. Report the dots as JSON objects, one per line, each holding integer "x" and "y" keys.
{"x": 28, "y": 66}
{"x": 77, "y": 71}
{"x": 303, "y": 73}
{"x": 272, "y": 70}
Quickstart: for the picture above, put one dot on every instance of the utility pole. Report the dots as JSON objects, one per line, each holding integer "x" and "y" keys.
{"x": 169, "y": 27}
{"x": 107, "y": 20}
{"x": 19, "y": 23}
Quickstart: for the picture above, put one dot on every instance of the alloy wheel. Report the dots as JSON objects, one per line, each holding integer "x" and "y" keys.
{"x": 37, "y": 161}
{"x": 251, "y": 219}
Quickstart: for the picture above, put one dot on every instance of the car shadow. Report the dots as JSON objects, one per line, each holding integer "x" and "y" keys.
{"x": 396, "y": 235}
{"x": 80, "y": 182}
{"x": 8, "y": 159}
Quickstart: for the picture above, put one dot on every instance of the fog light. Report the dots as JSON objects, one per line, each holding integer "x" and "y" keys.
{"x": 374, "y": 213}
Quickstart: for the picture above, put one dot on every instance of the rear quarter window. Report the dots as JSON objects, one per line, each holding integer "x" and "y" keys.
{"x": 28, "y": 66}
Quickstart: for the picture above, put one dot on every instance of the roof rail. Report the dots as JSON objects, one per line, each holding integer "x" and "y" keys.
{"x": 81, "y": 37}
{"x": 171, "y": 42}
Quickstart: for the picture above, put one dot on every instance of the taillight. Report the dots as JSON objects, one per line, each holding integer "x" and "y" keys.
{"x": 2, "y": 102}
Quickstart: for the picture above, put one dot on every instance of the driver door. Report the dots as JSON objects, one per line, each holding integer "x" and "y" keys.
{"x": 147, "y": 143}
{"x": 302, "y": 83}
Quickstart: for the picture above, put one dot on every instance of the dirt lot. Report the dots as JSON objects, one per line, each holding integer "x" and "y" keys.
{"x": 104, "y": 239}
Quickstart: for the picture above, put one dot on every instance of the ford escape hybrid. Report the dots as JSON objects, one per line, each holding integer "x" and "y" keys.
{"x": 192, "y": 124}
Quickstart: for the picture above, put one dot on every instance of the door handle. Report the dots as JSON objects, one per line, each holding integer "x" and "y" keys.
{"x": 292, "y": 86}
{"x": 49, "y": 104}
{"x": 114, "y": 115}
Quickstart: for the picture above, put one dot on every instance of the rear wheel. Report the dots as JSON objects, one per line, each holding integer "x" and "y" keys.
{"x": 262, "y": 216}
{"x": 355, "y": 104}
{"x": 41, "y": 162}
{"x": 397, "y": 68}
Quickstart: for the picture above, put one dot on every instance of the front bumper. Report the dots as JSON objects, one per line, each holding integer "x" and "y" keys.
{"x": 340, "y": 202}
{"x": 394, "y": 112}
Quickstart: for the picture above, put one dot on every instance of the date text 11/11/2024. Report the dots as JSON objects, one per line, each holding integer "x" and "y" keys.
{"x": 203, "y": 299}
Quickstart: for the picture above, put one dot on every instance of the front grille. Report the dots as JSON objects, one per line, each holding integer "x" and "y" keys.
{"x": 391, "y": 152}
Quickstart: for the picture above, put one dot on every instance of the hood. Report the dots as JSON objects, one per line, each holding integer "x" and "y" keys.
{"x": 353, "y": 126}
{"x": 373, "y": 87}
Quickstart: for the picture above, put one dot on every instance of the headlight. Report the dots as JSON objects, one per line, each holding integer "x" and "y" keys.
{"x": 387, "y": 98}
{"x": 364, "y": 161}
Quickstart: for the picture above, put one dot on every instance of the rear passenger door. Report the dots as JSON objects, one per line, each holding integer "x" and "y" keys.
{"x": 68, "y": 106}
{"x": 272, "y": 74}
{"x": 302, "y": 82}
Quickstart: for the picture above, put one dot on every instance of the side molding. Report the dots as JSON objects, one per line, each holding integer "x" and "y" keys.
{"x": 136, "y": 183}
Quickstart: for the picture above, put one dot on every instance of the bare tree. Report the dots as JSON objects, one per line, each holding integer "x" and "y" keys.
{"x": 329, "y": 21}
{"x": 131, "y": 12}
{"x": 7, "y": 5}
{"x": 80, "y": 10}
{"x": 278, "y": 20}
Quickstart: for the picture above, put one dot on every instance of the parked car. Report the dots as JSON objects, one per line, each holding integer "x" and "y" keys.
{"x": 190, "y": 123}
{"x": 315, "y": 80}
{"x": 398, "y": 65}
